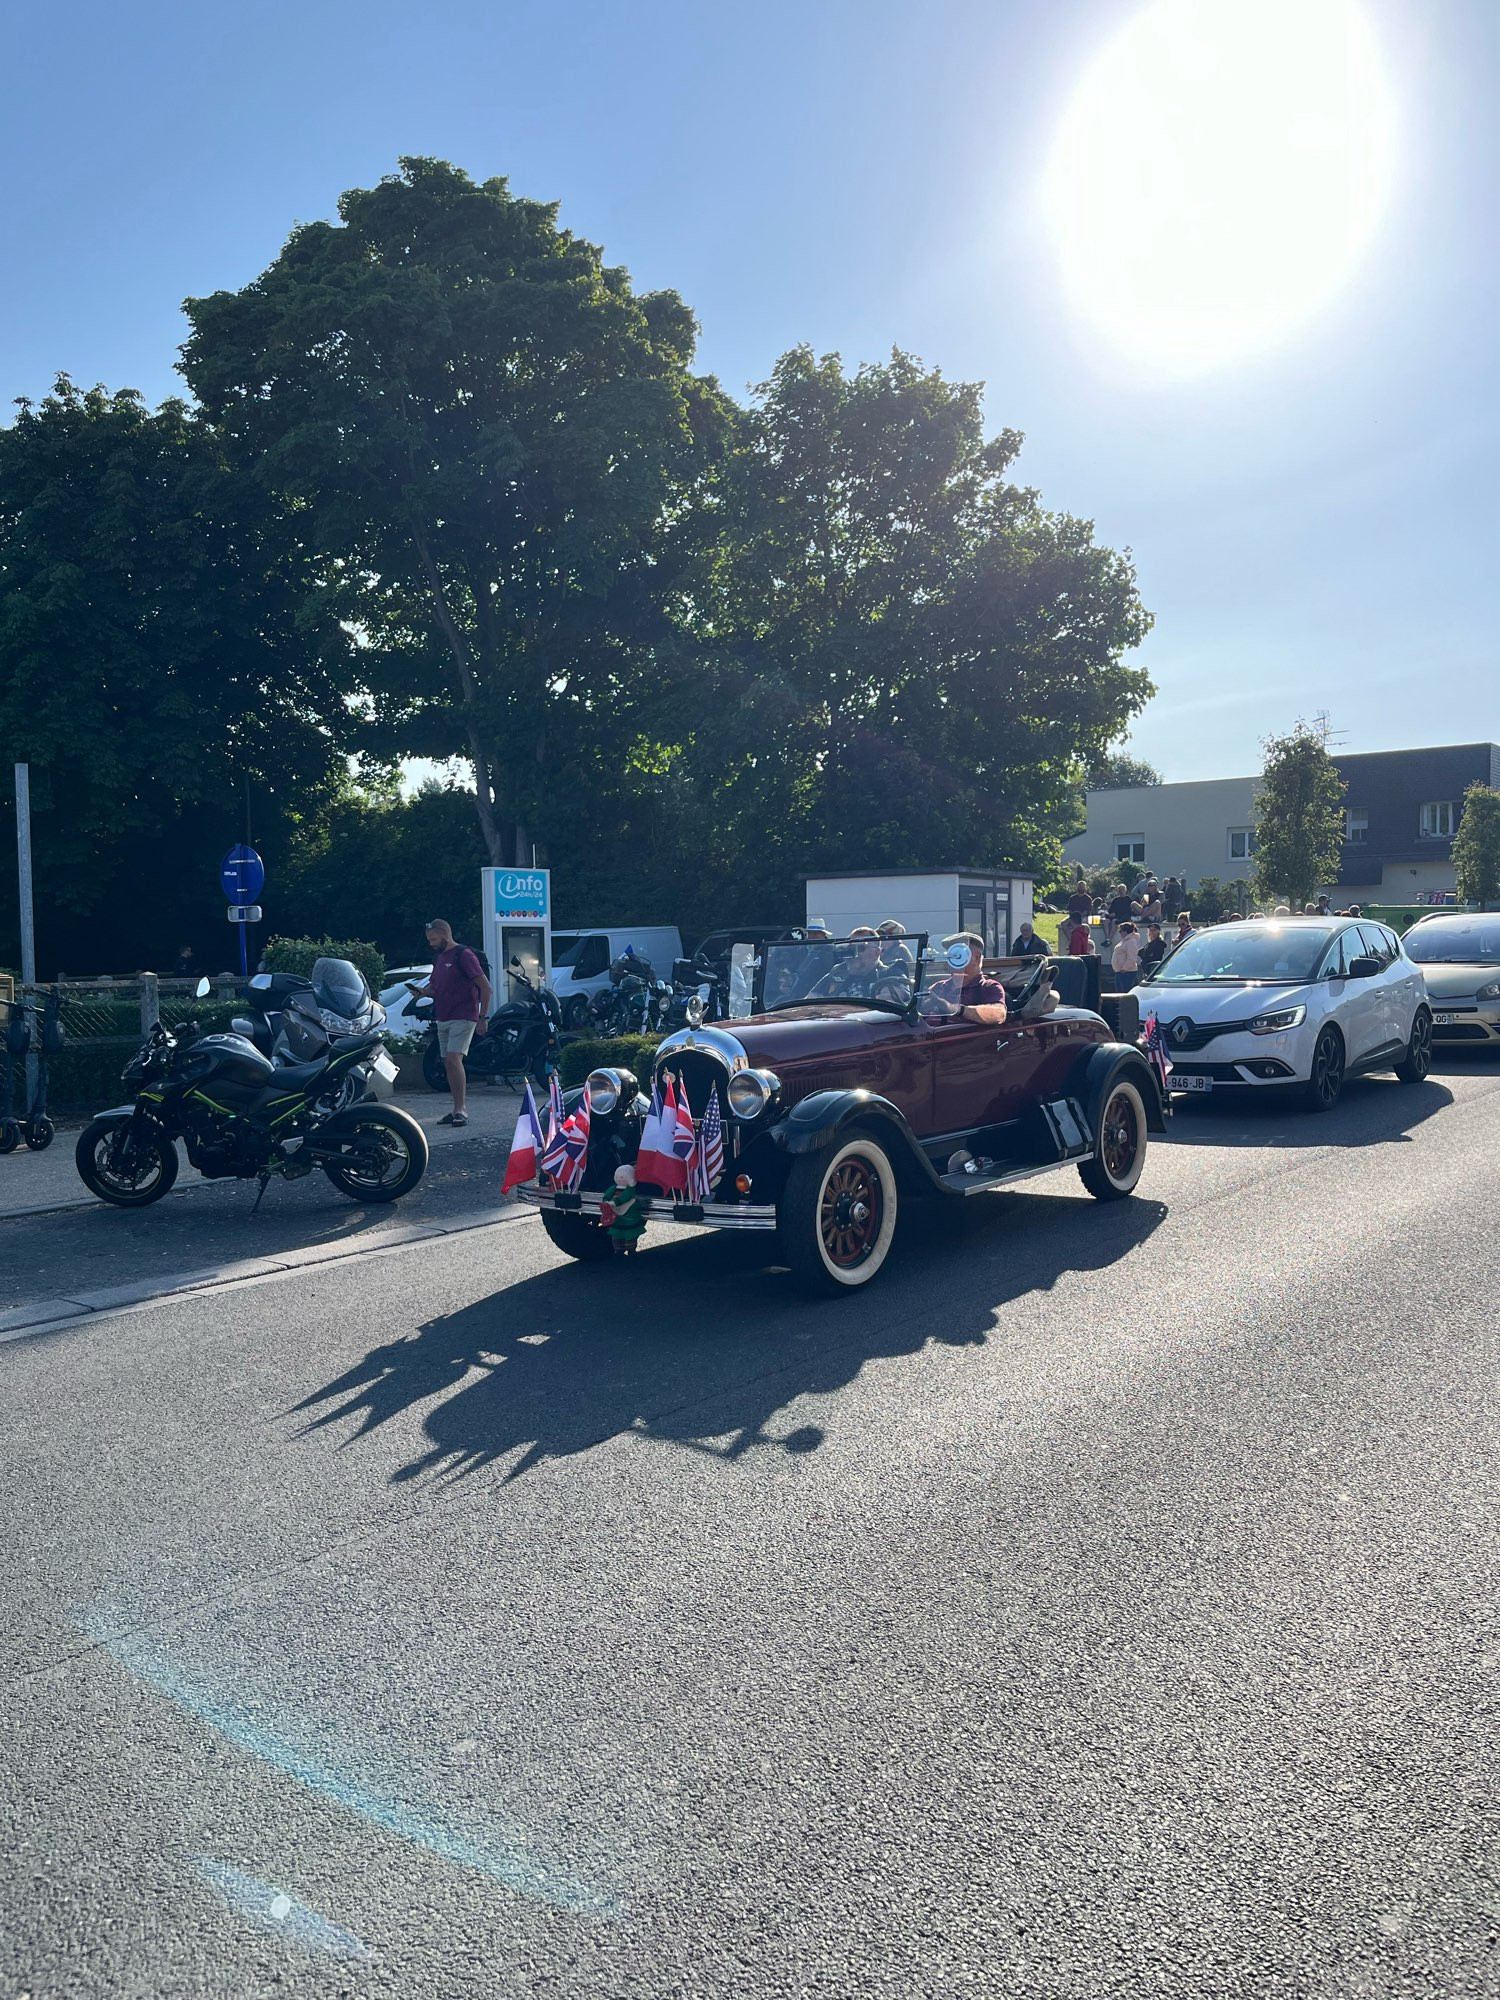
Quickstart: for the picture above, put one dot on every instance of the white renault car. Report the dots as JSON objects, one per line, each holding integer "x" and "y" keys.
{"x": 1303, "y": 1003}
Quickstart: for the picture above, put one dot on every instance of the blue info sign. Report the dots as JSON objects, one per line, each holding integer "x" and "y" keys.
{"x": 521, "y": 892}
{"x": 242, "y": 874}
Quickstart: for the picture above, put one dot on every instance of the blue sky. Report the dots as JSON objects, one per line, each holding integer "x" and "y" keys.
{"x": 1315, "y": 525}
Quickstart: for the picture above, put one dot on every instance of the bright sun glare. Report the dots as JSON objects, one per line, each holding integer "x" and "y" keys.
{"x": 1219, "y": 173}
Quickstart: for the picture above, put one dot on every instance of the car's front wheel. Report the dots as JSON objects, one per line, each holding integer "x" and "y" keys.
{"x": 837, "y": 1214}
{"x": 576, "y": 1235}
{"x": 1325, "y": 1083}
{"x": 1119, "y": 1144}
{"x": 1414, "y": 1065}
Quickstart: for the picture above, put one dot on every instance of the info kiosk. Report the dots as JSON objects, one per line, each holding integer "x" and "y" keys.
{"x": 517, "y": 905}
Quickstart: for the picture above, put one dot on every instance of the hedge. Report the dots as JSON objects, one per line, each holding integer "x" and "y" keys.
{"x": 632, "y": 1052}
{"x": 297, "y": 955}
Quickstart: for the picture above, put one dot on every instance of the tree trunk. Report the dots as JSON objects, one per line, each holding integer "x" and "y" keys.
{"x": 484, "y": 770}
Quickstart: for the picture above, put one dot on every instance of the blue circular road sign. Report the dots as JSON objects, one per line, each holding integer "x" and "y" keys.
{"x": 242, "y": 874}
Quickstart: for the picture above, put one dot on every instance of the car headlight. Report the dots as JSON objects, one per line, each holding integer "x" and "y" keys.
{"x": 751, "y": 1090}
{"x": 1490, "y": 992}
{"x": 692, "y": 1011}
{"x": 1274, "y": 1024}
{"x": 607, "y": 1086}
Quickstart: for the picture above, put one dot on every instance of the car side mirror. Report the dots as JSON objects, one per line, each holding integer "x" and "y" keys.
{"x": 1364, "y": 968}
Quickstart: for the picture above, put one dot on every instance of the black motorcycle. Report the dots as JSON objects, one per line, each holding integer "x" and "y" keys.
{"x": 524, "y": 1038}
{"x": 243, "y": 1118}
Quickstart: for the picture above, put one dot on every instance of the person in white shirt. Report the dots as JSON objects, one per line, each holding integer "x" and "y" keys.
{"x": 1125, "y": 959}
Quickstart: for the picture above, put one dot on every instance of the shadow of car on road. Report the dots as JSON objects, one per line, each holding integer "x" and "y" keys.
{"x": 697, "y": 1342}
{"x": 1373, "y": 1111}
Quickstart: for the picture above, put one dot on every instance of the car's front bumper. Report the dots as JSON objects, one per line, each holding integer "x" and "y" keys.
{"x": 1466, "y": 1023}
{"x": 713, "y": 1214}
{"x": 1242, "y": 1062}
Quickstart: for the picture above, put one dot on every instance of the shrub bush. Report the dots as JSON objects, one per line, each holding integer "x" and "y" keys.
{"x": 298, "y": 954}
{"x": 633, "y": 1052}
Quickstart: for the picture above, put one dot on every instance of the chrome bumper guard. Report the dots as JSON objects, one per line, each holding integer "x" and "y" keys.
{"x": 715, "y": 1214}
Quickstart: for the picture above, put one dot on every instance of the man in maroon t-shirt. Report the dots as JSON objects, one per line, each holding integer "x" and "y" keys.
{"x": 968, "y": 993}
{"x": 461, "y": 1004}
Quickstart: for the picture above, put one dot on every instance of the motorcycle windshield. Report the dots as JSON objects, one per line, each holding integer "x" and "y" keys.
{"x": 339, "y": 986}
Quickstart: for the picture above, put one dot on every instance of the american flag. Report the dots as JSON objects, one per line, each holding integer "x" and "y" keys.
{"x": 708, "y": 1154}
{"x": 568, "y": 1147}
{"x": 1155, "y": 1046}
{"x": 556, "y": 1117}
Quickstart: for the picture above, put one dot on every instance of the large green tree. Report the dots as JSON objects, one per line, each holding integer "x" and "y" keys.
{"x": 1299, "y": 817}
{"x": 489, "y": 435}
{"x": 162, "y": 646}
{"x": 910, "y": 659}
{"x": 1476, "y": 846}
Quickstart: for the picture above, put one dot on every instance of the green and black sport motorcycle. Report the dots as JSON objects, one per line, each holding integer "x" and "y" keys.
{"x": 242, "y": 1118}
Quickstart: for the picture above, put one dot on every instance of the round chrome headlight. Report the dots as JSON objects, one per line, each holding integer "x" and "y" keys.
{"x": 751, "y": 1090}
{"x": 605, "y": 1088}
{"x": 692, "y": 1011}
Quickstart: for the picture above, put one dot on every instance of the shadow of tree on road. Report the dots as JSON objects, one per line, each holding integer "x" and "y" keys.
{"x": 698, "y": 1343}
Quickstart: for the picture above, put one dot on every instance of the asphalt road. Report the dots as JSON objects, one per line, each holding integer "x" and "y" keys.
{"x": 1103, "y": 1604}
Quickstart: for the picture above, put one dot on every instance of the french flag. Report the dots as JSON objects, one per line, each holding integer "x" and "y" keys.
{"x": 649, "y": 1164}
{"x": 525, "y": 1146}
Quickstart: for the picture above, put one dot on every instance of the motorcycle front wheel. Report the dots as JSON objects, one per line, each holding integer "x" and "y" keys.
{"x": 433, "y": 1074}
{"x": 383, "y": 1154}
{"x": 129, "y": 1173}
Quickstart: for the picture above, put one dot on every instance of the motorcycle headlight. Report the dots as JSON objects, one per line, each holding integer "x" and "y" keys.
{"x": 1274, "y": 1024}
{"x": 692, "y": 1011}
{"x": 751, "y": 1091}
{"x": 605, "y": 1088}
{"x": 336, "y": 1024}
{"x": 1490, "y": 992}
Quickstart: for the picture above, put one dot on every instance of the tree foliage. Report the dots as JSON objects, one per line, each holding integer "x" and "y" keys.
{"x": 1476, "y": 847}
{"x": 453, "y": 491}
{"x": 1299, "y": 818}
{"x": 1119, "y": 772}
{"x": 482, "y": 426}
{"x": 162, "y": 644}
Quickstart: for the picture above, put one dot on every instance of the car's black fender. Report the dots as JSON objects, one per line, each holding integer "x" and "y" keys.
{"x": 817, "y": 1120}
{"x": 1096, "y": 1074}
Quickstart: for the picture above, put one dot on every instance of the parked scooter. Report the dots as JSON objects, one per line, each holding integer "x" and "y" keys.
{"x": 295, "y": 1019}
{"x": 36, "y": 1128}
{"x": 523, "y": 1038}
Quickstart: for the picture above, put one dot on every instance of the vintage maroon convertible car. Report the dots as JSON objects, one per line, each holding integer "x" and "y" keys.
{"x": 849, "y": 1086}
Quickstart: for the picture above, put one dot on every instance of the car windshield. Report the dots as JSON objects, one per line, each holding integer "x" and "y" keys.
{"x": 867, "y": 972}
{"x": 339, "y": 986}
{"x": 1243, "y": 954}
{"x": 1455, "y": 941}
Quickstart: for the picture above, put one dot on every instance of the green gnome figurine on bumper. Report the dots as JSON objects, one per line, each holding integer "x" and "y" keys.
{"x": 624, "y": 1214}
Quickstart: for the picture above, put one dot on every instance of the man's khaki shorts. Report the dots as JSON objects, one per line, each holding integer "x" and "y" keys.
{"x": 454, "y": 1037}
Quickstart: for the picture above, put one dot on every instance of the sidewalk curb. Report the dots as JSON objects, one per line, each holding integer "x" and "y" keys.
{"x": 43, "y": 1316}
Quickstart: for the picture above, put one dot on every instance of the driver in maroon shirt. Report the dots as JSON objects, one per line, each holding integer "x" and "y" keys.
{"x": 967, "y": 994}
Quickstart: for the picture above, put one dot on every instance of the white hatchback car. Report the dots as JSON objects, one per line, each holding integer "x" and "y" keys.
{"x": 1302, "y": 1003}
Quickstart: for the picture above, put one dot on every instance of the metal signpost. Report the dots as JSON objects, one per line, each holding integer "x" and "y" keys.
{"x": 28, "y": 915}
{"x": 242, "y": 875}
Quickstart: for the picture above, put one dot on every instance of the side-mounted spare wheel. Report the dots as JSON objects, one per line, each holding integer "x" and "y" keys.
{"x": 837, "y": 1213}
{"x": 1119, "y": 1142}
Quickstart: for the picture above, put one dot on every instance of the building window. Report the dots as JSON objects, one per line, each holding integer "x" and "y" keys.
{"x": 1130, "y": 847}
{"x": 1356, "y": 829}
{"x": 1241, "y": 843}
{"x": 1438, "y": 819}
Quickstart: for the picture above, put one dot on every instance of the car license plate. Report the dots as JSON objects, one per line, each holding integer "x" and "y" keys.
{"x": 1191, "y": 1082}
{"x": 384, "y": 1067}
{"x": 1442, "y": 1020}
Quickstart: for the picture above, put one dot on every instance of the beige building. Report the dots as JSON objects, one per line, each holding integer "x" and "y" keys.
{"x": 1205, "y": 827}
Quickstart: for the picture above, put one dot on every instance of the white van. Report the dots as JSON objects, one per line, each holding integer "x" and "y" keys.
{"x": 581, "y": 961}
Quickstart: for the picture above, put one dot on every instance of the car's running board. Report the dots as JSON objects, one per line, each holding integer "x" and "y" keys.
{"x": 1002, "y": 1176}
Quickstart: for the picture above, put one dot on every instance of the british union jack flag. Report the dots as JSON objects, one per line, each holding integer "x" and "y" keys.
{"x": 568, "y": 1148}
{"x": 1154, "y": 1043}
